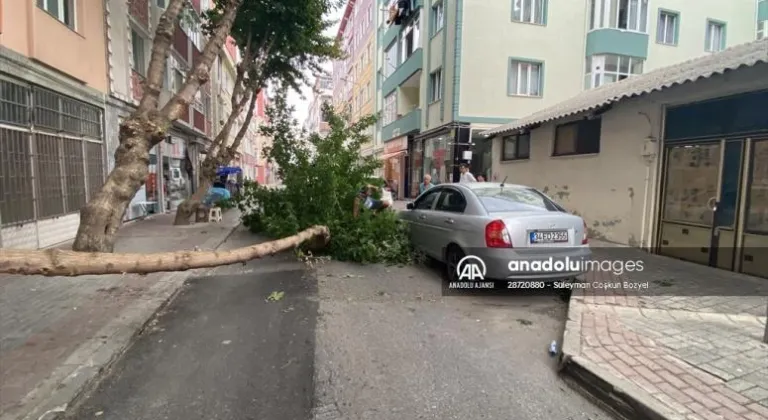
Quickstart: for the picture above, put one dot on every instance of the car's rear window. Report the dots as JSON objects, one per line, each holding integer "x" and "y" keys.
{"x": 499, "y": 199}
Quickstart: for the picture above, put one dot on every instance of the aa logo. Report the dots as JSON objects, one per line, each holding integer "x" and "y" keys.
{"x": 471, "y": 268}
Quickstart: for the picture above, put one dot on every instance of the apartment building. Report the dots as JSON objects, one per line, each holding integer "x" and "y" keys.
{"x": 174, "y": 163}
{"x": 53, "y": 81}
{"x": 223, "y": 80}
{"x": 352, "y": 77}
{"x": 322, "y": 93}
{"x": 453, "y": 68}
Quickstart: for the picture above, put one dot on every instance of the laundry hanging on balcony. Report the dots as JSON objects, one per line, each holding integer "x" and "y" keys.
{"x": 398, "y": 11}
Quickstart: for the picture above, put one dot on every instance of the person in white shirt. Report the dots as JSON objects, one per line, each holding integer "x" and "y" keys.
{"x": 466, "y": 176}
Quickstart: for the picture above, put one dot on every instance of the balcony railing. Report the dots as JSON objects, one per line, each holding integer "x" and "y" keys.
{"x": 404, "y": 124}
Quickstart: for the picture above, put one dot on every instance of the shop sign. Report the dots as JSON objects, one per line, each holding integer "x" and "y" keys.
{"x": 394, "y": 146}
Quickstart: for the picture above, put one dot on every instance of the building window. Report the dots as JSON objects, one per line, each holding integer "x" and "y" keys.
{"x": 524, "y": 78}
{"x": 436, "y": 86}
{"x": 139, "y": 60}
{"x": 604, "y": 69}
{"x": 762, "y": 29}
{"x": 390, "y": 109}
{"x": 178, "y": 80}
{"x": 438, "y": 17}
{"x": 528, "y": 11}
{"x": 516, "y": 147}
{"x": 631, "y": 15}
{"x": 715, "y": 40}
{"x": 390, "y": 60}
{"x": 577, "y": 138}
{"x": 410, "y": 39}
{"x": 667, "y": 29}
{"x": 63, "y": 10}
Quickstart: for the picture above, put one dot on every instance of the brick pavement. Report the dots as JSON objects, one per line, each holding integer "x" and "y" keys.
{"x": 689, "y": 346}
{"x": 46, "y": 322}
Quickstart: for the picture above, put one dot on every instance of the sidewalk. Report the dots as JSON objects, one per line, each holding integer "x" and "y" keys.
{"x": 58, "y": 333}
{"x": 688, "y": 348}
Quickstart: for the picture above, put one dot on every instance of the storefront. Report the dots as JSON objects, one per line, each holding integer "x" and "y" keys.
{"x": 177, "y": 172}
{"x": 439, "y": 153}
{"x": 395, "y": 164}
{"x": 714, "y": 199}
{"x": 481, "y": 161}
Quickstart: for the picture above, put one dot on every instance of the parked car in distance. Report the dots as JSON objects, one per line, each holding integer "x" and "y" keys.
{"x": 498, "y": 223}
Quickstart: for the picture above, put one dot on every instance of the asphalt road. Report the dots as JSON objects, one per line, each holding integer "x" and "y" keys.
{"x": 350, "y": 342}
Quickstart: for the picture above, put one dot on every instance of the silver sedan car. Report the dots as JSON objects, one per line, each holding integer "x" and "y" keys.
{"x": 516, "y": 231}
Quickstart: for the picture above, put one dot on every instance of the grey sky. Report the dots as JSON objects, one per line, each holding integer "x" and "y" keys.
{"x": 294, "y": 98}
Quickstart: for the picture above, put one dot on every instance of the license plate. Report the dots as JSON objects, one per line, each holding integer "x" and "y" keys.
{"x": 548, "y": 237}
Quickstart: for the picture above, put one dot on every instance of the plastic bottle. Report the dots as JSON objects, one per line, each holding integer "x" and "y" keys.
{"x": 553, "y": 348}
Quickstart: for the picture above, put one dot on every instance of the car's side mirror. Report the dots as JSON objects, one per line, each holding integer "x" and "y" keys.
{"x": 409, "y": 206}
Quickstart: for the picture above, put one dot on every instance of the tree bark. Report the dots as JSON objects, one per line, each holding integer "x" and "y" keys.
{"x": 201, "y": 73}
{"x": 57, "y": 262}
{"x": 102, "y": 216}
{"x": 189, "y": 206}
{"x": 226, "y": 154}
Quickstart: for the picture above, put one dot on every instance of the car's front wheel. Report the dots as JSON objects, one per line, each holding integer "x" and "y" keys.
{"x": 453, "y": 255}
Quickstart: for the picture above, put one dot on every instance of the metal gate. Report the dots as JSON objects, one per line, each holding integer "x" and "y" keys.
{"x": 51, "y": 163}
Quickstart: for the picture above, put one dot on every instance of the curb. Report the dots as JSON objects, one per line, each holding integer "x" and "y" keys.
{"x": 618, "y": 395}
{"x": 85, "y": 367}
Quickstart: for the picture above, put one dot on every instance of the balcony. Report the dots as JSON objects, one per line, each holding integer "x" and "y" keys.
{"x": 181, "y": 42}
{"x": 618, "y": 42}
{"x": 413, "y": 64}
{"x": 139, "y": 10}
{"x": 405, "y": 124}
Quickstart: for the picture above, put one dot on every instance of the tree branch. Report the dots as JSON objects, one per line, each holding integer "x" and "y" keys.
{"x": 223, "y": 136}
{"x": 157, "y": 63}
{"x": 201, "y": 72}
{"x": 241, "y": 68}
{"x": 57, "y": 262}
{"x": 230, "y": 151}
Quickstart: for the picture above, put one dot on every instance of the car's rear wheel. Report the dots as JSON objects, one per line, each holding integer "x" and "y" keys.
{"x": 453, "y": 255}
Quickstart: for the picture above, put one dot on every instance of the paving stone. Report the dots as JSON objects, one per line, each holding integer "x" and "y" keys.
{"x": 759, "y": 409}
{"x": 701, "y": 398}
{"x": 682, "y": 347}
{"x": 756, "y": 394}
{"x": 740, "y": 384}
{"x": 727, "y": 376}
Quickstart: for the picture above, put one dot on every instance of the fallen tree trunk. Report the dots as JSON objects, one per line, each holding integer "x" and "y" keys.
{"x": 57, "y": 262}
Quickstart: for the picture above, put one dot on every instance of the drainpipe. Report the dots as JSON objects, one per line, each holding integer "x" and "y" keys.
{"x": 649, "y": 155}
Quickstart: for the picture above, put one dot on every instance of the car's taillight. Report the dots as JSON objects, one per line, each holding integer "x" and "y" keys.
{"x": 584, "y": 238}
{"x": 496, "y": 235}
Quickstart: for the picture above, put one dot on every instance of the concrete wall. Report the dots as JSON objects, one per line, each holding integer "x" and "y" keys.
{"x": 78, "y": 52}
{"x": 490, "y": 38}
{"x": 739, "y": 16}
{"x": 609, "y": 189}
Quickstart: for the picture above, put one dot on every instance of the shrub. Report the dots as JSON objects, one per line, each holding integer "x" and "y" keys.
{"x": 322, "y": 176}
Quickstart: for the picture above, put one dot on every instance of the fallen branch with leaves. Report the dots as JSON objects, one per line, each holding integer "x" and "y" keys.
{"x": 57, "y": 262}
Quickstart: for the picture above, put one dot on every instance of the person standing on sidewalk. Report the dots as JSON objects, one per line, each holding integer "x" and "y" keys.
{"x": 466, "y": 176}
{"x": 426, "y": 184}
